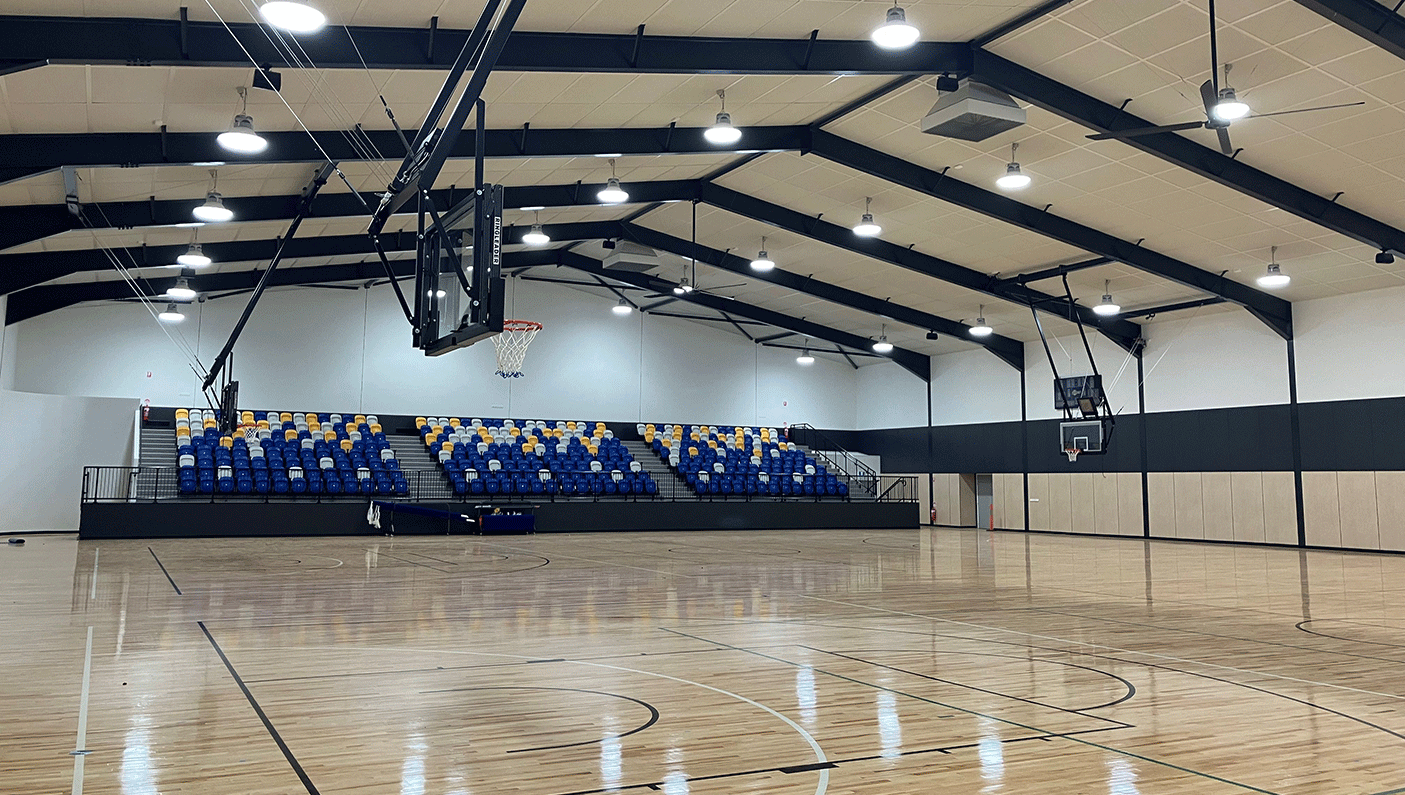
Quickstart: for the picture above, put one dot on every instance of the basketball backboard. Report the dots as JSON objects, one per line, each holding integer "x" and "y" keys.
{"x": 458, "y": 279}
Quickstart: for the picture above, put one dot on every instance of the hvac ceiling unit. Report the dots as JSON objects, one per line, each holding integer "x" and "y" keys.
{"x": 973, "y": 112}
{"x": 632, "y": 257}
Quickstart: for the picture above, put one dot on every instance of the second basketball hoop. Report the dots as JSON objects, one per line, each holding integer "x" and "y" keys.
{"x": 512, "y": 345}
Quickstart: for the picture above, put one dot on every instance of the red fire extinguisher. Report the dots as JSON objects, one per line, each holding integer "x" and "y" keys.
{"x": 146, "y": 409}
{"x": 934, "y": 516}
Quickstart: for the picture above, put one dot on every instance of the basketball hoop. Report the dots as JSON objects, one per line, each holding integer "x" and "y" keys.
{"x": 512, "y": 345}
{"x": 1072, "y": 453}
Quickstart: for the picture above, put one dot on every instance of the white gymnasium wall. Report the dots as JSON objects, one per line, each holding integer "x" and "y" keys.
{"x": 1350, "y": 347}
{"x": 889, "y": 396}
{"x": 973, "y": 386}
{"x": 1220, "y": 360}
{"x": 7, "y": 349}
{"x": 42, "y": 454}
{"x": 335, "y": 350}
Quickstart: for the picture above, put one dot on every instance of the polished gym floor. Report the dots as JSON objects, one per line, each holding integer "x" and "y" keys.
{"x": 789, "y": 662}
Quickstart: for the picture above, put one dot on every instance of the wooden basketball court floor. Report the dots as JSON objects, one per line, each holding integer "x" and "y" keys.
{"x": 787, "y": 662}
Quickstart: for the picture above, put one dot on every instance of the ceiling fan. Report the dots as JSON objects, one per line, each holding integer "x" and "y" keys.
{"x": 1222, "y": 106}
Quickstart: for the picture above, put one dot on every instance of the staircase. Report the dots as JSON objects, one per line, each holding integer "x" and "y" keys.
{"x": 158, "y": 449}
{"x": 670, "y": 483}
{"x": 414, "y": 456}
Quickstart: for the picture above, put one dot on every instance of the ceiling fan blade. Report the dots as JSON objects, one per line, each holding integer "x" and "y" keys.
{"x": 1225, "y": 145}
{"x": 712, "y": 287}
{"x": 1136, "y": 132}
{"x": 1305, "y": 110}
{"x": 1210, "y": 97}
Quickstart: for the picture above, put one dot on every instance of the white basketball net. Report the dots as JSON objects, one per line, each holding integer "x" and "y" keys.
{"x": 512, "y": 346}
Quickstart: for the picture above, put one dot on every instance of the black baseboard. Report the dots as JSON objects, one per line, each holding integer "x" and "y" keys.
{"x": 234, "y": 519}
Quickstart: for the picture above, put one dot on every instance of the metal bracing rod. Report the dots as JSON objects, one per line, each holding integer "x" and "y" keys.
{"x": 849, "y": 358}
{"x": 310, "y": 193}
{"x": 739, "y": 327}
{"x": 1055, "y": 271}
{"x": 1088, "y": 349}
{"x": 394, "y": 280}
{"x": 773, "y": 337}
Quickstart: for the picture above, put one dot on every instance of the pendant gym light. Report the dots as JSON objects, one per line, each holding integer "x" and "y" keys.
{"x": 292, "y": 16}
{"x": 883, "y": 345}
{"x": 1013, "y": 178}
{"x": 241, "y": 138}
{"x": 1108, "y": 307}
{"x": 981, "y": 328}
{"x": 805, "y": 359}
{"x": 622, "y": 308}
{"x": 1229, "y": 108}
{"x": 722, "y": 132}
{"x": 194, "y": 257}
{"x": 612, "y": 192}
{"x": 181, "y": 291}
{"x": 866, "y": 226}
{"x": 535, "y": 236}
{"x": 1274, "y": 277}
{"x": 213, "y": 210}
{"x": 763, "y": 261}
{"x": 896, "y": 33}
{"x": 171, "y": 314}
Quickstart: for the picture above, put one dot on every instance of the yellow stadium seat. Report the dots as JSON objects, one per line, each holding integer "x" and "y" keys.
{"x": 261, "y": 424}
{"x": 527, "y": 449}
{"x": 286, "y": 416}
{"x": 360, "y": 418}
{"x": 650, "y": 428}
{"x": 182, "y": 414}
{"x": 648, "y": 437}
{"x": 420, "y": 422}
{"x": 455, "y": 422}
{"x": 532, "y": 440}
{"x": 712, "y": 443}
{"x": 447, "y": 446}
{"x": 782, "y": 445}
{"x": 376, "y": 428}
{"x": 346, "y": 445}
{"x": 329, "y": 436}
{"x": 513, "y": 432}
{"x": 692, "y": 451}
{"x": 226, "y": 441}
{"x": 437, "y": 428}
{"x": 488, "y": 439}
{"x": 593, "y": 449}
{"x": 571, "y": 426}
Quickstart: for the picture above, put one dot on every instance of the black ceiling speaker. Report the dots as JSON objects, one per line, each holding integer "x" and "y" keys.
{"x": 267, "y": 79}
{"x": 947, "y": 83}
{"x": 932, "y": 335}
{"x": 1385, "y": 258}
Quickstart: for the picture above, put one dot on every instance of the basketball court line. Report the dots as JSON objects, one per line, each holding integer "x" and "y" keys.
{"x": 1006, "y": 721}
{"x": 163, "y": 571}
{"x": 413, "y": 562}
{"x": 93, "y": 591}
{"x": 1229, "y": 682}
{"x": 80, "y": 745}
{"x": 1225, "y": 637}
{"x": 1109, "y": 648}
{"x": 1299, "y": 626}
{"x": 258, "y": 710}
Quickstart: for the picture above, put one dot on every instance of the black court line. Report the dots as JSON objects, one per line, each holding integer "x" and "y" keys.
{"x": 267, "y": 724}
{"x": 1131, "y": 689}
{"x": 1128, "y": 662}
{"x": 1390, "y": 792}
{"x": 834, "y": 763}
{"x": 653, "y": 713}
{"x": 429, "y": 557}
{"x": 414, "y": 563}
{"x": 1300, "y": 626}
{"x": 1224, "y": 637}
{"x": 1006, "y": 721}
{"x": 401, "y": 671}
{"x": 163, "y": 571}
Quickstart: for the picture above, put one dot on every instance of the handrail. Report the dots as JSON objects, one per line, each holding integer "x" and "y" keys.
{"x": 860, "y": 468}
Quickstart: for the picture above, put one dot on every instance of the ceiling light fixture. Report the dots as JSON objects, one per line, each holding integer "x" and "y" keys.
{"x": 612, "y": 192}
{"x": 805, "y": 359}
{"x": 213, "y": 210}
{"x": 1013, "y": 178}
{"x": 1274, "y": 277}
{"x": 683, "y": 287}
{"x": 1385, "y": 258}
{"x": 763, "y": 262}
{"x": 535, "y": 236}
{"x": 171, "y": 314}
{"x": 1108, "y": 307}
{"x": 896, "y": 33}
{"x": 622, "y": 308}
{"x": 1229, "y": 108}
{"x": 883, "y": 345}
{"x": 181, "y": 291}
{"x": 866, "y": 226}
{"x": 981, "y": 328}
{"x": 241, "y": 138}
{"x": 194, "y": 257}
{"x": 293, "y": 17}
{"x": 722, "y": 132}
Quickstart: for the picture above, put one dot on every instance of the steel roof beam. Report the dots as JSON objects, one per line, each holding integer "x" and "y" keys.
{"x": 29, "y": 42}
{"x": 918, "y": 364}
{"x": 1099, "y": 116}
{"x": 1120, "y": 331}
{"x": 1273, "y": 311}
{"x": 1368, "y": 19}
{"x": 25, "y": 155}
{"x": 1009, "y": 350}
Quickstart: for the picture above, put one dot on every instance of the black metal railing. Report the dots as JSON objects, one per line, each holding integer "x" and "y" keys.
{"x": 836, "y": 459}
{"x": 151, "y": 484}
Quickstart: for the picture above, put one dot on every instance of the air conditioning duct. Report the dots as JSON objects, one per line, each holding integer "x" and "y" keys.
{"x": 632, "y": 257}
{"x": 973, "y": 112}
